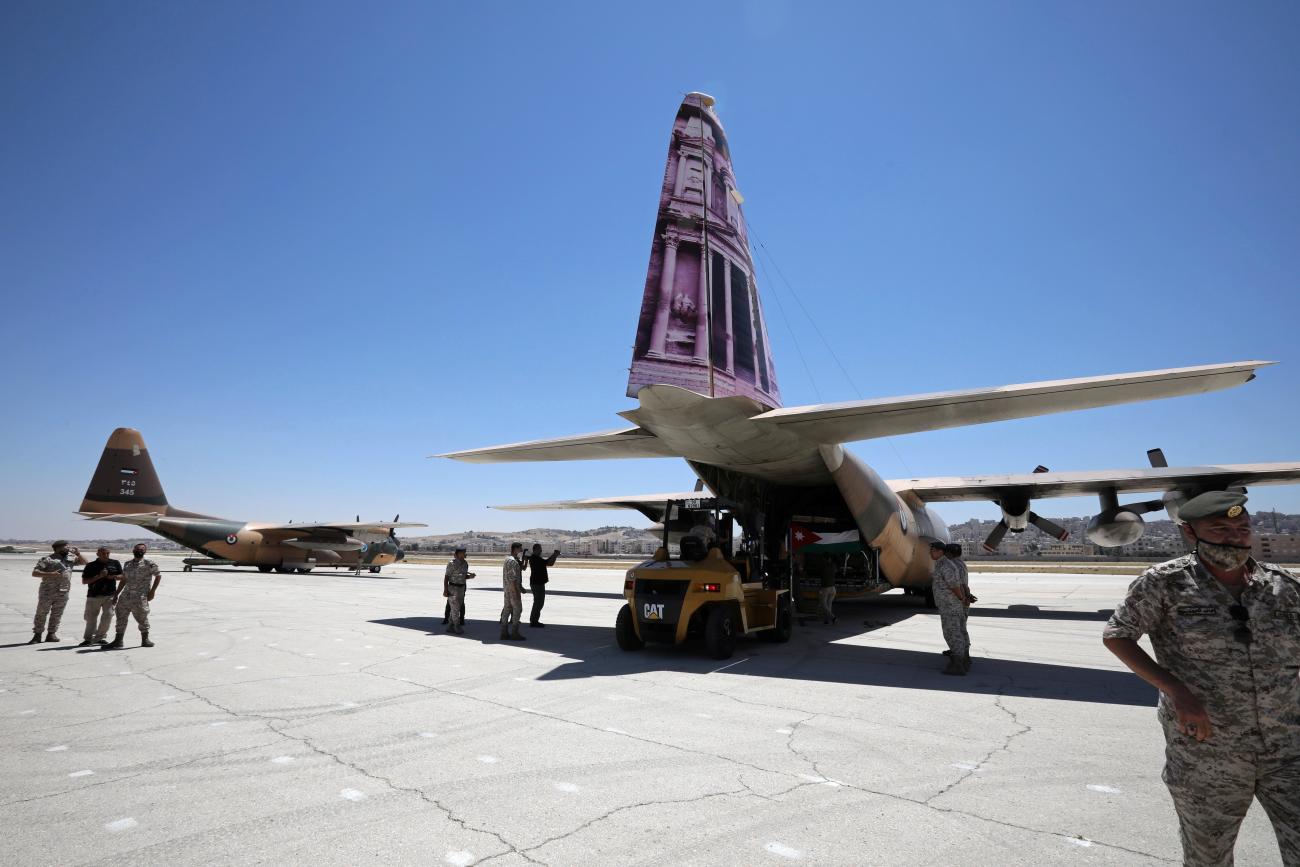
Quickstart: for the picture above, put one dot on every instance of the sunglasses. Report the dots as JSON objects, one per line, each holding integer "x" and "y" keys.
{"x": 1242, "y": 616}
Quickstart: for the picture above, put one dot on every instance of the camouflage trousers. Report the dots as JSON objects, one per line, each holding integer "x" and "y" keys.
{"x": 826, "y": 597}
{"x": 1212, "y": 789}
{"x": 513, "y": 608}
{"x": 49, "y": 603}
{"x": 953, "y": 621}
{"x": 456, "y": 600}
{"x": 98, "y": 608}
{"x": 135, "y": 605}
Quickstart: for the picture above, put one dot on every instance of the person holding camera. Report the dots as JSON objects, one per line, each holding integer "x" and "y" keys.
{"x": 512, "y": 586}
{"x": 55, "y": 572}
{"x": 537, "y": 578}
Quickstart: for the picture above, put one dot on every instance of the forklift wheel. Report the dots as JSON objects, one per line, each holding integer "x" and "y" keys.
{"x": 720, "y": 632}
{"x": 784, "y": 626}
{"x": 625, "y": 631}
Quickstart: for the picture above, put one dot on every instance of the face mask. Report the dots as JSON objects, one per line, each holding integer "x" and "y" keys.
{"x": 1225, "y": 557}
{"x": 139, "y": 555}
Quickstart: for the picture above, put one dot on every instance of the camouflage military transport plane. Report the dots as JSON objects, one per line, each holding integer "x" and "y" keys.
{"x": 125, "y": 489}
{"x": 703, "y": 376}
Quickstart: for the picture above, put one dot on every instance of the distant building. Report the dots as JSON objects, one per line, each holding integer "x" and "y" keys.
{"x": 1277, "y": 547}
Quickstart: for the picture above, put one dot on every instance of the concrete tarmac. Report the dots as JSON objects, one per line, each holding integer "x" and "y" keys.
{"x": 327, "y": 719}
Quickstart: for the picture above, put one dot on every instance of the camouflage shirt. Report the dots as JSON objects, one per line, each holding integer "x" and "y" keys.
{"x": 456, "y": 572}
{"x": 947, "y": 577}
{"x": 512, "y": 570}
{"x": 1250, "y": 691}
{"x": 136, "y": 575}
{"x": 62, "y": 565}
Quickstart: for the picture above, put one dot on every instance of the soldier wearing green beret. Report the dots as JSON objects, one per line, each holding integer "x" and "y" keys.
{"x": 1226, "y": 635}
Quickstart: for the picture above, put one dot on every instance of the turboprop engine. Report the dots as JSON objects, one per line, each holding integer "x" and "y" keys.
{"x": 1117, "y": 525}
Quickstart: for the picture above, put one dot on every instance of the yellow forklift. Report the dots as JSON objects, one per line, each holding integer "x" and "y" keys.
{"x": 715, "y": 588}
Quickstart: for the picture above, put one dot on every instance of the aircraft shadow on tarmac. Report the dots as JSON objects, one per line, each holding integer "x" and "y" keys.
{"x": 813, "y": 654}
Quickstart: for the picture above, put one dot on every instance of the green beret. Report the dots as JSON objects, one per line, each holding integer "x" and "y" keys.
{"x": 1214, "y": 504}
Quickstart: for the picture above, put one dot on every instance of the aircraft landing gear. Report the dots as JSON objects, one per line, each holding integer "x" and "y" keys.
{"x": 263, "y": 568}
{"x": 374, "y": 570}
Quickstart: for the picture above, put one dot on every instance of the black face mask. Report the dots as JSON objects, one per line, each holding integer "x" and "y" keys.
{"x": 139, "y": 555}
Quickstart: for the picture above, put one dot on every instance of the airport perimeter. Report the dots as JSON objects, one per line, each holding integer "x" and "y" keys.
{"x": 327, "y": 719}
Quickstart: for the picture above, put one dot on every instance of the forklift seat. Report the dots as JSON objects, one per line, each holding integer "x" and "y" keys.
{"x": 692, "y": 548}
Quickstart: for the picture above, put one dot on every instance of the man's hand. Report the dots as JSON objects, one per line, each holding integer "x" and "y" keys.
{"x": 1193, "y": 721}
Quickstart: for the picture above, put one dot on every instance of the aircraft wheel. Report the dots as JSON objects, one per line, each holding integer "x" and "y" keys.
{"x": 625, "y": 632}
{"x": 374, "y": 570}
{"x": 929, "y": 598}
{"x": 263, "y": 568}
{"x": 304, "y": 571}
{"x": 284, "y": 570}
{"x": 784, "y": 626}
{"x": 720, "y": 632}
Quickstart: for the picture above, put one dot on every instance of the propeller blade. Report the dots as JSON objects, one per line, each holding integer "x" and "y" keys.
{"x": 1146, "y": 506}
{"x": 1157, "y": 458}
{"x": 995, "y": 537}
{"x": 1054, "y": 530}
{"x": 397, "y": 517}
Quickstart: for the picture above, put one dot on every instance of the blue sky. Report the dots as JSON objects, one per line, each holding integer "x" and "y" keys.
{"x": 301, "y": 246}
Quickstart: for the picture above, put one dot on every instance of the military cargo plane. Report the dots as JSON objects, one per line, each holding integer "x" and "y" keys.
{"x": 703, "y": 377}
{"x": 126, "y": 489}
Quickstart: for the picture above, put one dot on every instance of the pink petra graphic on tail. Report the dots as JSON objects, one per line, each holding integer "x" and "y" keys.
{"x": 701, "y": 324}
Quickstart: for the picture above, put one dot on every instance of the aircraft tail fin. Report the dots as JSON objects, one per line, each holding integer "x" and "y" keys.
{"x": 701, "y": 325}
{"x": 125, "y": 482}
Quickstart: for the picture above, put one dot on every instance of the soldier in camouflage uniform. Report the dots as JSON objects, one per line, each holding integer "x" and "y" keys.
{"x": 134, "y": 595}
{"x": 453, "y": 581}
{"x": 512, "y": 585}
{"x": 1226, "y": 633}
{"x": 55, "y": 572}
{"x": 950, "y": 598}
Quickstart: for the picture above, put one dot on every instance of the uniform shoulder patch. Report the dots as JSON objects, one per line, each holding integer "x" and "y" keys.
{"x": 1171, "y": 567}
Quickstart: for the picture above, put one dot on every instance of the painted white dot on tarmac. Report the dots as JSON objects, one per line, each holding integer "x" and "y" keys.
{"x": 60, "y": 748}
{"x": 704, "y": 715}
{"x": 219, "y": 722}
{"x": 812, "y": 779}
{"x": 309, "y": 654}
{"x": 338, "y": 639}
{"x": 166, "y": 698}
{"x": 240, "y": 667}
{"x": 1078, "y": 841}
{"x": 272, "y": 644}
{"x": 520, "y": 679}
{"x": 245, "y": 637}
{"x": 345, "y": 663}
{"x": 784, "y": 851}
{"x": 460, "y": 858}
{"x": 1105, "y": 790}
{"x": 785, "y": 731}
{"x": 565, "y": 787}
{"x": 352, "y": 795}
{"x": 76, "y": 774}
{"x": 282, "y": 760}
{"x": 615, "y": 731}
{"x": 427, "y": 735}
{"x": 25, "y": 712}
{"x": 348, "y": 704}
{"x": 369, "y": 647}
{"x": 966, "y": 766}
{"x": 121, "y": 824}
{"x": 218, "y": 659}
{"x": 621, "y": 698}
{"x": 201, "y": 653}
{"x": 125, "y": 673}
{"x": 488, "y": 760}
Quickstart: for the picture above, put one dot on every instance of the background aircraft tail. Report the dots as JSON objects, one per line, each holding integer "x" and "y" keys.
{"x": 125, "y": 481}
{"x": 701, "y": 324}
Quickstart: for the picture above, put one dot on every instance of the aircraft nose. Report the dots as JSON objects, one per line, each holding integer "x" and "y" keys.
{"x": 401, "y": 555}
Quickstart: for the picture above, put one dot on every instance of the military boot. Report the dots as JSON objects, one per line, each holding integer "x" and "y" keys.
{"x": 515, "y": 636}
{"x": 116, "y": 643}
{"x": 965, "y": 662}
{"x": 36, "y": 638}
{"x": 505, "y": 636}
{"x": 51, "y": 636}
{"x": 955, "y": 666}
{"x": 144, "y": 639}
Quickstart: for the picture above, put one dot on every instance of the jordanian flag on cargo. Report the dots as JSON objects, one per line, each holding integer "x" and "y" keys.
{"x": 806, "y": 539}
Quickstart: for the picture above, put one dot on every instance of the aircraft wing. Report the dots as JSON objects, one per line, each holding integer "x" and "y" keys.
{"x": 883, "y": 417}
{"x": 650, "y": 505}
{"x": 343, "y": 526}
{"x": 632, "y": 442}
{"x": 1072, "y": 484}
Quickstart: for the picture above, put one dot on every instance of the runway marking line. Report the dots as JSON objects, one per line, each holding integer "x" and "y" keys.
{"x": 732, "y": 665}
